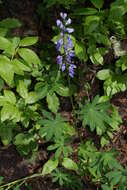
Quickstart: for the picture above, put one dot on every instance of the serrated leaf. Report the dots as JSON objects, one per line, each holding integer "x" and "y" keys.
{"x": 29, "y": 56}
{"x": 53, "y": 102}
{"x": 96, "y": 115}
{"x": 69, "y": 164}
{"x": 28, "y": 41}
{"x": 22, "y": 89}
{"x": 49, "y": 166}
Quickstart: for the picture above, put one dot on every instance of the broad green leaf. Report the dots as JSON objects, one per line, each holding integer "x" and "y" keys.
{"x": 61, "y": 90}
{"x": 3, "y": 31}
{"x": 80, "y": 51}
{"x": 32, "y": 98}
{"x": 28, "y": 41}
{"x": 6, "y": 134}
{"x": 97, "y": 3}
{"x": 22, "y": 89}
{"x": 69, "y": 164}
{"x": 10, "y": 96}
{"x": 41, "y": 89}
{"x": 1, "y": 84}
{"x": 10, "y": 23}
{"x": 1, "y": 180}
{"x": 29, "y": 56}
{"x": 97, "y": 58}
{"x": 53, "y": 102}
{"x": 4, "y": 43}
{"x": 19, "y": 67}
{"x": 49, "y": 166}
{"x": 6, "y": 70}
{"x": 85, "y": 11}
{"x": 103, "y": 74}
{"x": 11, "y": 112}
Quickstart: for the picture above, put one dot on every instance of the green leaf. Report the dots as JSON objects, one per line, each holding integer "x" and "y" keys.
{"x": 11, "y": 112}
{"x": 96, "y": 115}
{"x": 1, "y": 84}
{"x": 103, "y": 74}
{"x": 28, "y": 41}
{"x": 29, "y": 56}
{"x": 3, "y": 31}
{"x": 4, "y": 43}
{"x": 85, "y": 11}
{"x": 19, "y": 67}
{"x": 49, "y": 166}
{"x": 6, "y": 70}
{"x": 80, "y": 51}
{"x": 97, "y": 58}
{"x": 69, "y": 164}
{"x": 32, "y": 98}
{"x": 22, "y": 89}
{"x": 53, "y": 102}
{"x": 6, "y": 134}
{"x": 10, "y": 23}
{"x": 1, "y": 180}
{"x": 61, "y": 90}
{"x": 97, "y": 3}
{"x": 10, "y": 96}
{"x": 41, "y": 89}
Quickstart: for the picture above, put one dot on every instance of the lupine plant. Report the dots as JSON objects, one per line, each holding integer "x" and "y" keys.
{"x": 65, "y": 46}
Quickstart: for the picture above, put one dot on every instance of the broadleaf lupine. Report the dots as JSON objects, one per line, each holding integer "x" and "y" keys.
{"x": 64, "y": 59}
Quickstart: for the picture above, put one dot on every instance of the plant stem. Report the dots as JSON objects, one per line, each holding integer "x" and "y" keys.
{"x": 11, "y": 184}
{"x": 71, "y": 99}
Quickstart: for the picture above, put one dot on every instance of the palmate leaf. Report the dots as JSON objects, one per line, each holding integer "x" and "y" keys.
{"x": 96, "y": 115}
{"x": 53, "y": 127}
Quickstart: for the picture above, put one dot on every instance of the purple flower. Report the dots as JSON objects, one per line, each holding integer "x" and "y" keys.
{"x": 59, "y": 44}
{"x": 63, "y": 67}
{"x": 63, "y": 15}
{"x": 71, "y": 53}
{"x": 71, "y": 70}
{"x": 68, "y": 22}
{"x": 70, "y": 30}
{"x": 59, "y": 59}
{"x": 69, "y": 42}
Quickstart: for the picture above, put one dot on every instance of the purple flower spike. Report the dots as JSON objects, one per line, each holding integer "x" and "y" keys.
{"x": 63, "y": 15}
{"x": 65, "y": 46}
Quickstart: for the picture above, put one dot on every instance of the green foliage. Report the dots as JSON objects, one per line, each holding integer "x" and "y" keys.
{"x": 96, "y": 115}
{"x": 33, "y": 94}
